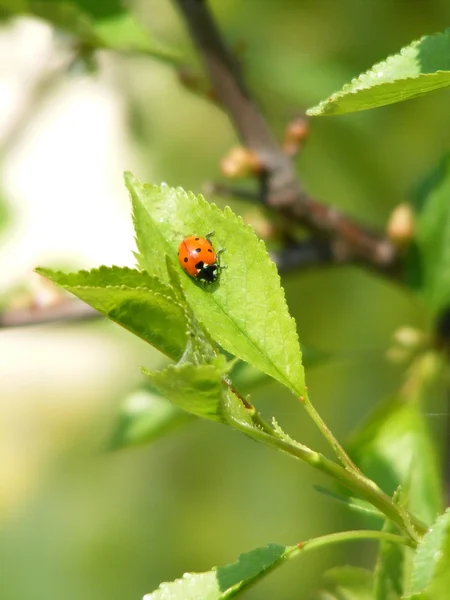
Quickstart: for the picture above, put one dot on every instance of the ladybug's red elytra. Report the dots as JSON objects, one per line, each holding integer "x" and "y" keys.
{"x": 197, "y": 257}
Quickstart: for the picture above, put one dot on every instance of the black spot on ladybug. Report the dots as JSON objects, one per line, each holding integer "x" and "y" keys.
{"x": 198, "y": 250}
{"x": 196, "y": 239}
{"x": 209, "y": 250}
{"x": 199, "y": 265}
{"x": 185, "y": 259}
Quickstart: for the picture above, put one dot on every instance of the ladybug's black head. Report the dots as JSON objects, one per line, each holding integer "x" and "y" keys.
{"x": 206, "y": 272}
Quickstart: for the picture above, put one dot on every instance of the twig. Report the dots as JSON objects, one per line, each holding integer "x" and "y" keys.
{"x": 304, "y": 254}
{"x": 66, "y": 310}
{"x": 282, "y": 189}
{"x": 218, "y": 188}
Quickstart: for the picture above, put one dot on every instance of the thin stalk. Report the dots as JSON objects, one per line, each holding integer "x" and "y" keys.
{"x": 339, "y": 451}
{"x": 347, "y": 536}
{"x": 357, "y": 483}
{"x": 315, "y": 543}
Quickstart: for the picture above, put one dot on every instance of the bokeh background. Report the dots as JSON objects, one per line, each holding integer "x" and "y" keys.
{"x": 77, "y": 521}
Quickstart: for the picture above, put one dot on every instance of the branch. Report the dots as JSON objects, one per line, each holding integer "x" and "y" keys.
{"x": 281, "y": 190}
{"x": 303, "y": 254}
{"x": 66, "y": 310}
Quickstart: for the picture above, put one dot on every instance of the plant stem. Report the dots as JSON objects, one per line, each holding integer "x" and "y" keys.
{"x": 322, "y": 426}
{"x": 319, "y": 542}
{"x": 347, "y": 536}
{"x": 354, "y": 481}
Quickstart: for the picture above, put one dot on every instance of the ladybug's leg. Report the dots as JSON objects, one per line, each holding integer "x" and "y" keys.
{"x": 218, "y": 258}
{"x": 209, "y": 235}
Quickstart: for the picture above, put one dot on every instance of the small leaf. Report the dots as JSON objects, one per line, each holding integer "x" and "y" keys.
{"x": 417, "y": 69}
{"x": 245, "y": 312}
{"x": 99, "y": 24}
{"x": 197, "y": 389}
{"x": 348, "y": 583}
{"x": 355, "y": 504}
{"x": 223, "y": 582}
{"x": 432, "y": 250}
{"x": 133, "y": 299}
{"x": 389, "y": 570}
{"x": 394, "y": 448}
{"x": 430, "y": 574}
{"x": 145, "y": 417}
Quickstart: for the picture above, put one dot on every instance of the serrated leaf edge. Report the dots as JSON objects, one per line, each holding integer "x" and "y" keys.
{"x": 131, "y": 180}
{"x": 325, "y": 108}
{"x": 357, "y": 84}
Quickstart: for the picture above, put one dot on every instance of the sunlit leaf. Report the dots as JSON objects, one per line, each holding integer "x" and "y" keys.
{"x": 245, "y": 311}
{"x": 430, "y": 574}
{"x": 200, "y": 390}
{"x": 196, "y": 389}
{"x": 394, "y": 448}
{"x": 430, "y": 255}
{"x": 133, "y": 299}
{"x": 97, "y": 23}
{"x": 417, "y": 69}
{"x": 223, "y": 582}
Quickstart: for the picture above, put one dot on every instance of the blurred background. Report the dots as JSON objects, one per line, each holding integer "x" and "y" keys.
{"x": 78, "y": 521}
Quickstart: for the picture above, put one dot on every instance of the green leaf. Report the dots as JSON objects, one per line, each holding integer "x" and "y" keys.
{"x": 417, "y": 69}
{"x": 146, "y": 417}
{"x": 394, "y": 448}
{"x": 355, "y": 504}
{"x": 432, "y": 250}
{"x": 133, "y": 299}
{"x": 99, "y": 24}
{"x": 200, "y": 348}
{"x": 389, "y": 571}
{"x": 348, "y": 583}
{"x": 245, "y": 312}
{"x": 199, "y": 389}
{"x": 196, "y": 389}
{"x": 430, "y": 575}
{"x": 223, "y": 582}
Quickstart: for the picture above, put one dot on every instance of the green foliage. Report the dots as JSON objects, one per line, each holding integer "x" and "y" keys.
{"x": 389, "y": 570}
{"x": 185, "y": 319}
{"x": 244, "y": 315}
{"x": 430, "y": 574}
{"x": 245, "y": 312}
{"x": 146, "y": 416}
{"x": 97, "y": 24}
{"x": 430, "y": 256}
{"x": 348, "y": 583}
{"x": 223, "y": 582}
{"x": 198, "y": 389}
{"x": 135, "y": 300}
{"x": 421, "y": 67}
{"x": 394, "y": 448}
{"x": 354, "y": 504}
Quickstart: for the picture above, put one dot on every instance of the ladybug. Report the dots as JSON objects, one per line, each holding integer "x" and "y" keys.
{"x": 197, "y": 257}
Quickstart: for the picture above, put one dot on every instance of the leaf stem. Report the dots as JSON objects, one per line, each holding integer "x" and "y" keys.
{"x": 341, "y": 454}
{"x": 347, "y": 536}
{"x": 353, "y": 480}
